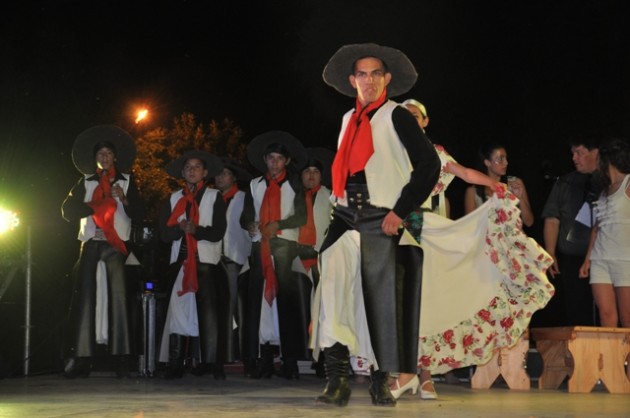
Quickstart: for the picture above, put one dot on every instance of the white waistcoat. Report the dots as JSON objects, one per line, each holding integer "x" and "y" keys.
{"x": 321, "y": 215}
{"x": 122, "y": 222}
{"x": 209, "y": 252}
{"x": 389, "y": 169}
{"x": 237, "y": 244}
{"x": 258, "y": 187}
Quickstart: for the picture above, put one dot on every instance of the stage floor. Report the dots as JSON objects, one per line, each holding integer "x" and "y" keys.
{"x": 103, "y": 395}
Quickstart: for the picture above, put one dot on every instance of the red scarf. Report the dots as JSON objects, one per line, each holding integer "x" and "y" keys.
{"x": 105, "y": 206}
{"x": 356, "y": 147}
{"x": 230, "y": 193}
{"x": 270, "y": 212}
{"x": 189, "y": 283}
{"x": 308, "y": 233}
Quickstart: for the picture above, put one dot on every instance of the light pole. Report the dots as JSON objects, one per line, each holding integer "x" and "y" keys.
{"x": 8, "y": 222}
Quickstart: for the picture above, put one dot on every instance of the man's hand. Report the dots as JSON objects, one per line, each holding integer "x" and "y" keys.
{"x": 187, "y": 226}
{"x": 270, "y": 230}
{"x": 391, "y": 224}
{"x": 554, "y": 269}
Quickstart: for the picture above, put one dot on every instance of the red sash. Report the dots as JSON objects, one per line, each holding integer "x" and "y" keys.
{"x": 189, "y": 283}
{"x": 270, "y": 212}
{"x": 105, "y": 206}
{"x": 356, "y": 147}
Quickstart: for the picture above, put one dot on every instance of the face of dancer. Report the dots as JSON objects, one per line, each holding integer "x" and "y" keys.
{"x": 224, "y": 180}
{"x": 585, "y": 160}
{"x": 194, "y": 171}
{"x": 422, "y": 120}
{"x": 276, "y": 163}
{"x": 311, "y": 177}
{"x": 105, "y": 158}
{"x": 369, "y": 79}
{"x": 498, "y": 163}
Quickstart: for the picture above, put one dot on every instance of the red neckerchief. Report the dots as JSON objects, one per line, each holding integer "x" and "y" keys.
{"x": 270, "y": 212}
{"x": 230, "y": 193}
{"x": 356, "y": 147}
{"x": 105, "y": 206}
{"x": 308, "y": 233}
{"x": 189, "y": 283}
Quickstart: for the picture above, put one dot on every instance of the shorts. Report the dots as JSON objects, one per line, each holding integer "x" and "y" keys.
{"x": 615, "y": 272}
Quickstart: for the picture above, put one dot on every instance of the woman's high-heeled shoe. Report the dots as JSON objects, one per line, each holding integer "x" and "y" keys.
{"x": 428, "y": 394}
{"x": 411, "y": 385}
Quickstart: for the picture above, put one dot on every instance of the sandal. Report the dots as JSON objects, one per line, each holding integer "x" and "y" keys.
{"x": 428, "y": 394}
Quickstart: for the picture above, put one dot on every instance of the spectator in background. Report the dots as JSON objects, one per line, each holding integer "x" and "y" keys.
{"x": 608, "y": 255}
{"x": 495, "y": 160}
{"x": 568, "y": 221}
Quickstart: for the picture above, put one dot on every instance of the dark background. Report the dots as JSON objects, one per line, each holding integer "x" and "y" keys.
{"x": 528, "y": 74}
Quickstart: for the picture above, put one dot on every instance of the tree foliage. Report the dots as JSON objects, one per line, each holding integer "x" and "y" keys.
{"x": 158, "y": 147}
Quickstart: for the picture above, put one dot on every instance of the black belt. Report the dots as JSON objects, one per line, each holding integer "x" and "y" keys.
{"x": 358, "y": 196}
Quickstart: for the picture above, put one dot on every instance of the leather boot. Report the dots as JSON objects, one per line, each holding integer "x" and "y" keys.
{"x": 337, "y": 366}
{"x": 265, "y": 365}
{"x": 78, "y": 367}
{"x": 379, "y": 389}
{"x": 175, "y": 366}
{"x": 289, "y": 369}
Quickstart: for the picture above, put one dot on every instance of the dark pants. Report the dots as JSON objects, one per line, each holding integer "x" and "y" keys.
{"x": 293, "y": 299}
{"x": 578, "y": 297}
{"x": 409, "y": 288}
{"x": 213, "y": 312}
{"x": 378, "y": 272}
{"x": 119, "y": 298}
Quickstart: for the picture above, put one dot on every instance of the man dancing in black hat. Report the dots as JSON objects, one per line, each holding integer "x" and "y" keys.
{"x": 384, "y": 168}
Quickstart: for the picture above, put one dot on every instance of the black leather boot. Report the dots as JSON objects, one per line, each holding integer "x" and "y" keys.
{"x": 379, "y": 389}
{"x": 265, "y": 367}
{"x": 77, "y": 367}
{"x": 337, "y": 365}
{"x": 175, "y": 366}
{"x": 289, "y": 369}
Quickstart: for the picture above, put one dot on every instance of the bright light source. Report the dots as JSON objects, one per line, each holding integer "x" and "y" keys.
{"x": 142, "y": 114}
{"x": 8, "y": 220}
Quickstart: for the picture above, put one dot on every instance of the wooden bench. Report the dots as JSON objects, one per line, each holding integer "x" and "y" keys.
{"x": 509, "y": 363}
{"x": 586, "y": 354}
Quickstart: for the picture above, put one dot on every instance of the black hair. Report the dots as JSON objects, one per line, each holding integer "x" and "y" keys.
{"x": 487, "y": 148}
{"x": 312, "y": 162}
{"x": 615, "y": 152}
{"x": 354, "y": 64}
{"x": 277, "y": 148}
{"x": 590, "y": 141}
{"x": 103, "y": 144}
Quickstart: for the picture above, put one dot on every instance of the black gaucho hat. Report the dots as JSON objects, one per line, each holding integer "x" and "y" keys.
{"x": 322, "y": 158}
{"x": 275, "y": 141}
{"x": 340, "y": 67}
{"x": 212, "y": 162}
{"x": 111, "y": 136}
{"x": 239, "y": 172}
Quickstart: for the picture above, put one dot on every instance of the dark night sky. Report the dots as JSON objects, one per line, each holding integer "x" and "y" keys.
{"x": 529, "y": 74}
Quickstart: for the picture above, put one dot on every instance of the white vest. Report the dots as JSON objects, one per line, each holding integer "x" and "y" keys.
{"x": 389, "y": 169}
{"x": 237, "y": 244}
{"x": 321, "y": 215}
{"x": 258, "y": 187}
{"x": 209, "y": 252}
{"x": 122, "y": 222}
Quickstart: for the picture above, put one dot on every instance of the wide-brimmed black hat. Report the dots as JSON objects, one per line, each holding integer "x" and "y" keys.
{"x": 83, "y": 152}
{"x": 213, "y": 163}
{"x": 258, "y": 147}
{"x": 340, "y": 67}
{"x": 325, "y": 158}
{"x": 239, "y": 172}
